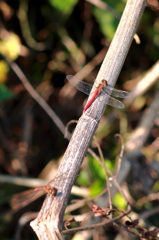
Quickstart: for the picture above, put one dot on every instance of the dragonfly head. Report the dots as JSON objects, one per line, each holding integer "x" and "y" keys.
{"x": 104, "y": 81}
{"x": 53, "y": 191}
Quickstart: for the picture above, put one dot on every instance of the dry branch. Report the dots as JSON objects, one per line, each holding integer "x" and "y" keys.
{"x": 48, "y": 224}
{"x": 139, "y": 136}
{"x": 146, "y": 82}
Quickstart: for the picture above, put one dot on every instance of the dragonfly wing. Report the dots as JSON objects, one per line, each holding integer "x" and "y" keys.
{"x": 80, "y": 85}
{"x": 26, "y": 197}
{"x": 116, "y": 93}
{"x": 115, "y": 103}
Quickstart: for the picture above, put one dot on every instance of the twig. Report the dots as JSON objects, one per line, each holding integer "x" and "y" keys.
{"x": 139, "y": 136}
{"x": 27, "y": 127}
{"x": 22, "y": 181}
{"x": 149, "y": 213}
{"x": 35, "y": 95}
{"x": 23, "y": 19}
{"x": 149, "y": 198}
{"x": 146, "y": 82}
{"x": 66, "y": 128}
{"x": 104, "y": 6}
{"x": 114, "y": 177}
{"x": 72, "y": 47}
{"x": 80, "y": 203}
{"x": 96, "y": 225}
{"x": 120, "y": 155}
{"x": 106, "y": 172}
{"x": 155, "y": 5}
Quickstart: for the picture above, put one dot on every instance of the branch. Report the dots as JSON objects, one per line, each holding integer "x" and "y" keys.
{"x": 48, "y": 224}
{"x": 139, "y": 136}
{"x": 145, "y": 83}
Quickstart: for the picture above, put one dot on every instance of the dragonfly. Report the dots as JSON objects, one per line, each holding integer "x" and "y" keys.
{"x": 103, "y": 86}
{"x": 30, "y": 193}
{"x": 47, "y": 188}
{"x": 23, "y": 198}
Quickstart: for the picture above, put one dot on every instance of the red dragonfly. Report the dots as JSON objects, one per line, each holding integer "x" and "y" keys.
{"x": 47, "y": 188}
{"x": 30, "y": 193}
{"x": 86, "y": 88}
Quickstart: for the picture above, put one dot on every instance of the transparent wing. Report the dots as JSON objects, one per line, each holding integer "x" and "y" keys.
{"x": 27, "y": 196}
{"x": 86, "y": 88}
{"x": 114, "y": 102}
{"x": 116, "y": 93}
{"x": 80, "y": 85}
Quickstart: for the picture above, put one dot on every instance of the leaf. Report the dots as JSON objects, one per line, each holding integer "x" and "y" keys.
{"x": 153, "y": 233}
{"x": 106, "y": 21}
{"x": 132, "y": 224}
{"x": 96, "y": 188}
{"x": 142, "y": 232}
{"x": 10, "y": 46}
{"x": 5, "y": 93}
{"x": 98, "y": 170}
{"x": 119, "y": 201}
{"x": 83, "y": 178}
{"x": 3, "y": 71}
{"x": 98, "y": 211}
{"x": 63, "y": 6}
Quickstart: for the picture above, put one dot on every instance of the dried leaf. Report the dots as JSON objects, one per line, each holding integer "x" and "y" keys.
{"x": 101, "y": 211}
{"x": 132, "y": 224}
{"x": 142, "y": 232}
{"x": 152, "y": 233}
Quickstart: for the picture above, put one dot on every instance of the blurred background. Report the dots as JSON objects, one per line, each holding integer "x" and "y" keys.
{"x": 49, "y": 40}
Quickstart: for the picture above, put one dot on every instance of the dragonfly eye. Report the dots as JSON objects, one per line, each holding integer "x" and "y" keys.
{"x": 54, "y": 191}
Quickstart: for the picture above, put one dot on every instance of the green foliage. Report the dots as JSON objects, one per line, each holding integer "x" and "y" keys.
{"x": 108, "y": 19}
{"x": 119, "y": 201}
{"x": 97, "y": 169}
{"x": 5, "y": 93}
{"x": 97, "y": 172}
{"x": 156, "y": 186}
{"x": 83, "y": 178}
{"x": 97, "y": 187}
{"x": 106, "y": 22}
{"x": 63, "y": 6}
